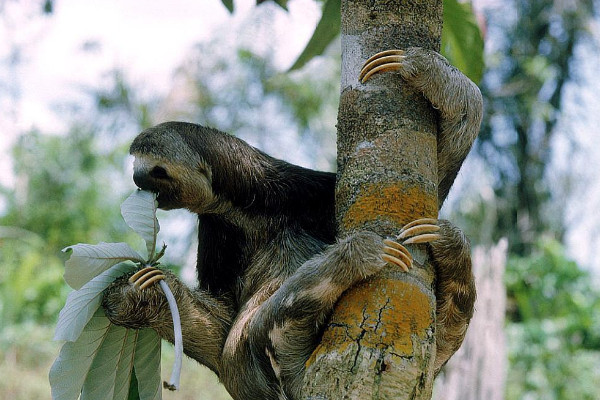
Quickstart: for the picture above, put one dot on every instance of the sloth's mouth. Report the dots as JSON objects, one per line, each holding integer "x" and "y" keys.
{"x": 154, "y": 190}
{"x": 146, "y": 185}
{"x": 164, "y": 199}
{"x": 156, "y": 180}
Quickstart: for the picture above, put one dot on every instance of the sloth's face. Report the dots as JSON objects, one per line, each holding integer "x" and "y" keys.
{"x": 176, "y": 185}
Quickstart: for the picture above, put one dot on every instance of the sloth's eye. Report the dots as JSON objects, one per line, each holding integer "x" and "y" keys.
{"x": 159, "y": 173}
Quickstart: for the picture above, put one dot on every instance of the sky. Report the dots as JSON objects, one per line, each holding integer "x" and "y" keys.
{"x": 146, "y": 39}
{"x": 65, "y": 56}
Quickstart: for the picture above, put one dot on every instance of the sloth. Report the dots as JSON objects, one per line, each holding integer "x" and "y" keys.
{"x": 269, "y": 266}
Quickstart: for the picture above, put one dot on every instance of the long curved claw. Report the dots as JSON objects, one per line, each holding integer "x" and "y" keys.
{"x": 383, "y": 61}
{"x": 393, "y": 260}
{"x": 418, "y": 230}
{"x": 422, "y": 230}
{"x": 420, "y": 221}
{"x": 146, "y": 277}
{"x": 430, "y": 237}
{"x": 395, "y": 253}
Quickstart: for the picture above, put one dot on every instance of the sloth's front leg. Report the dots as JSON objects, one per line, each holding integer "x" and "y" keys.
{"x": 285, "y": 330}
{"x": 457, "y": 98}
{"x": 136, "y": 301}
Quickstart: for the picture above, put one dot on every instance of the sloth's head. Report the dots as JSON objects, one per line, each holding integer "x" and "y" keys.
{"x": 168, "y": 164}
{"x": 197, "y": 168}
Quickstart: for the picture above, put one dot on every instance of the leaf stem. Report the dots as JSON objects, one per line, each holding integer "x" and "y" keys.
{"x": 173, "y": 383}
{"x": 154, "y": 259}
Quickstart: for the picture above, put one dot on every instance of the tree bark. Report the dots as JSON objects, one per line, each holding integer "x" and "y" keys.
{"x": 478, "y": 369}
{"x": 380, "y": 341}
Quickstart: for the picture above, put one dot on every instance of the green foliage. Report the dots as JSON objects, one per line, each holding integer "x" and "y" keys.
{"x": 548, "y": 285}
{"x": 63, "y": 188}
{"x": 64, "y": 194}
{"x": 228, "y": 5}
{"x": 280, "y": 3}
{"x": 554, "y": 328}
{"x": 326, "y": 31}
{"x": 462, "y": 42}
{"x": 306, "y": 96}
{"x": 533, "y": 60}
{"x": 241, "y": 92}
{"x": 540, "y": 373}
{"x": 48, "y": 7}
{"x": 31, "y": 284}
{"x": 123, "y": 105}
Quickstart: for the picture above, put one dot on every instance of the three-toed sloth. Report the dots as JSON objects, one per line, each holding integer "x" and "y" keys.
{"x": 270, "y": 267}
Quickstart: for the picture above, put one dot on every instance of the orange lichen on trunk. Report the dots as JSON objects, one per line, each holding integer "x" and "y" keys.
{"x": 393, "y": 201}
{"x": 380, "y": 313}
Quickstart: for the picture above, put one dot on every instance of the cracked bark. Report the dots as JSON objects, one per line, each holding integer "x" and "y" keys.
{"x": 380, "y": 341}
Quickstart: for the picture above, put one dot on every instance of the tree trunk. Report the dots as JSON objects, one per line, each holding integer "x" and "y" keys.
{"x": 478, "y": 369}
{"x": 380, "y": 341}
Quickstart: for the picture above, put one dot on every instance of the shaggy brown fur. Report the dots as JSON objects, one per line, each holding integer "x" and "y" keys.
{"x": 269, "y": 266}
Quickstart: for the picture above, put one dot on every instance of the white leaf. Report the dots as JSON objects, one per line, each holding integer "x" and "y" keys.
{"x": 100, "y": 363}
{"x": 125, "y": 365}
{"x": 89, "y": 260}
{"x": 139, "y": 212}
{"x": 147, "y": 365}
{"x": 70, "y": 369}
{"x": 114, "y": 356}
{"x": 82, "y": 304}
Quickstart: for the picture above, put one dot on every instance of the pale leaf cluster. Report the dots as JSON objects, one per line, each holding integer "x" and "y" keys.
{"x": 98, "y": 359}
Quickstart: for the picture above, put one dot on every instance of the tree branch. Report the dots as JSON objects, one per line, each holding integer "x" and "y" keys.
{"x": 380, "y": 341}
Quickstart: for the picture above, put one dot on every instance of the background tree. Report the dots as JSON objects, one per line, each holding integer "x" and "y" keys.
{"x": 532, "y": 61}
{"x": 478, "y": 369}
{"x": 535, "y": 54}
